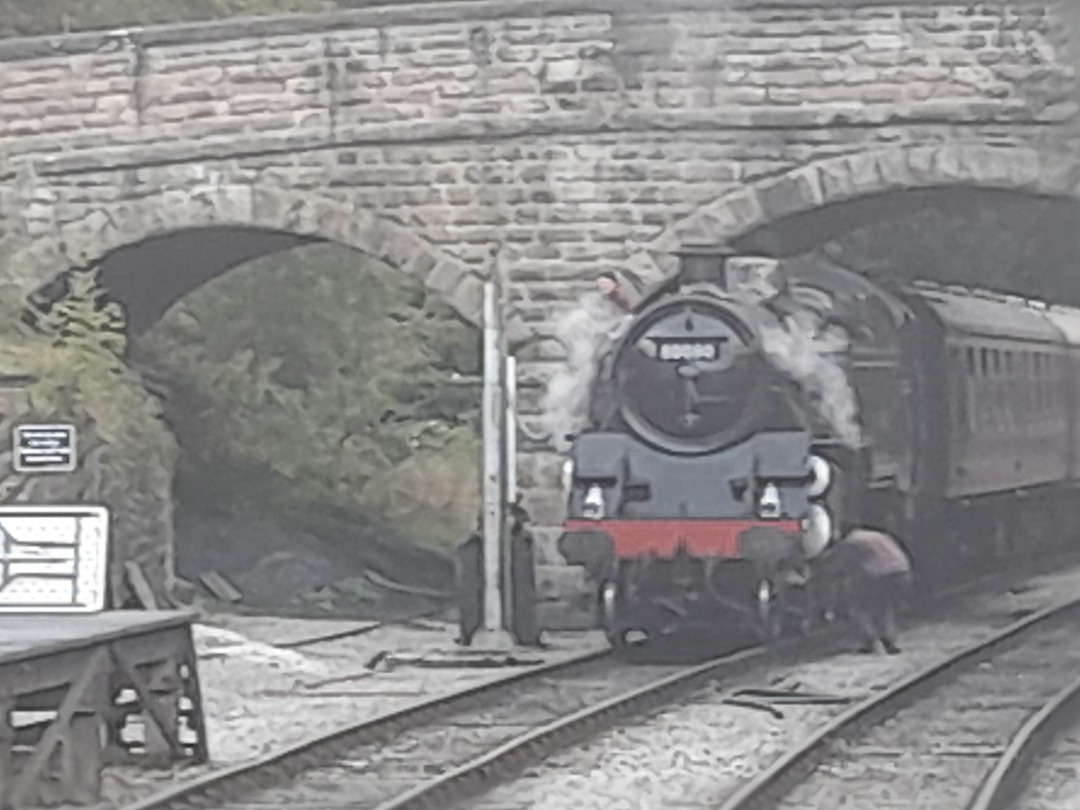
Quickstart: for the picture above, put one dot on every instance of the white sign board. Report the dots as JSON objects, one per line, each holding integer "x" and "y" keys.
{"x": 43, "y": 448}
{"x": 53, "y": 559}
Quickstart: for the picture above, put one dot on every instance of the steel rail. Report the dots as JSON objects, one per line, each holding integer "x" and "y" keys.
{"x": 219, "y": 786}
{"x": 478, "y": 774}
{"x": 1006, "y": 781}
{"x": 365, "y": 629}
{"x": 499, "y": 764}
{"x": 769, "y": 787}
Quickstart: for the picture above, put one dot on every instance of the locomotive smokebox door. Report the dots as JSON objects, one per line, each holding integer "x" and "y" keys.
{"x": 703, "y": 264}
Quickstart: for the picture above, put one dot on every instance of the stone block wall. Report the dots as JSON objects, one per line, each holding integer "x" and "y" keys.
{"x": 561, "y": 138}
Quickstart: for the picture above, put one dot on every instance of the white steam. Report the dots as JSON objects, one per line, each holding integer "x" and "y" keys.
{"x": 810, "y": 355}
{"x": 585, "y": 332}
{"x": 798, "y": 344}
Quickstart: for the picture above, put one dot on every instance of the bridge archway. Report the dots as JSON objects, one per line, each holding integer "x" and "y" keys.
{"x": 265, "y": 218}
{"x": 833, "y": 196}
{"x": 156, "y": 246}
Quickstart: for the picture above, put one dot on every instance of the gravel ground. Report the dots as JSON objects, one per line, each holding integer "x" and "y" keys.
{"x": 1055, "y": 781}
{"x": 258, "y": 698}
{"x": 934, "y": 753}
{"x": 375, "y": 773}
{"x": 693, "y": 755}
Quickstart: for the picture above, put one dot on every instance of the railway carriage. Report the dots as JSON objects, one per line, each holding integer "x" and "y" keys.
{"x": 735, "y": 432}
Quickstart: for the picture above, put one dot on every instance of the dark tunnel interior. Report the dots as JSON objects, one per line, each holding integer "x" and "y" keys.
{"x": 1006, "y": 240}
{"x": 133, "y": 274}
{"x": 148, "y": 277}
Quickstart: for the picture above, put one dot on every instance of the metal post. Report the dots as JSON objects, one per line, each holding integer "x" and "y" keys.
{"x": 511, "y": 429}
{"x": 510, "y": 485}
{"x": 493, "y": 491}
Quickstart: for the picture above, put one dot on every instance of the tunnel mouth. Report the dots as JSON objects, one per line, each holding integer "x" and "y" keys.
{"x": 1008, "y": 240}
{"x": 304, "y": 423}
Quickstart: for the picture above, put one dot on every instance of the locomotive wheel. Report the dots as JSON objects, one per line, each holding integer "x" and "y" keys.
{"x": 609, "y": 599}
{"x": 619, "y": 635}
{"x": 769, "y": 613}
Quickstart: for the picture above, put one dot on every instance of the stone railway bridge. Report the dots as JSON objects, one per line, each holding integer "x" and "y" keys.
{"x": 550, "y": 138}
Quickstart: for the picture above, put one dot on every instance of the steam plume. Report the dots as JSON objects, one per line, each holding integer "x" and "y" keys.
{"x": 809, "y": 355}
{"x": 585, "y": 332}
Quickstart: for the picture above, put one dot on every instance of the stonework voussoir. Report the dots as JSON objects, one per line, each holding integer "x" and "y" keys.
{"x": 793, "y": 193}
{"x": 397, "y": 247}
{"x": 467, "y": 298}
{"x": 893, "y": 171}
{"x": 838, "y": 177}
{"x": 1058, "y": 174}
{"x": 446, "y": 276}
{"x": 922, "y": 164}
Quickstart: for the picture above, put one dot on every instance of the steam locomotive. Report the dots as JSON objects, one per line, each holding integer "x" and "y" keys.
{"x": 753, "y": 409}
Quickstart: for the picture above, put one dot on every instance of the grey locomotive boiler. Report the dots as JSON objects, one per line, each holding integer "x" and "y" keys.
{"x": 752, "y": 408}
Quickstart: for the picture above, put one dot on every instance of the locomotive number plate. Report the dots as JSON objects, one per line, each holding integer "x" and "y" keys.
{"x": 682, "y": 350}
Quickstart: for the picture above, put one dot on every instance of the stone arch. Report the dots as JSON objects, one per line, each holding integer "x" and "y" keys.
{"x": 87, "y": 241}
{"x": 847, "y": 178}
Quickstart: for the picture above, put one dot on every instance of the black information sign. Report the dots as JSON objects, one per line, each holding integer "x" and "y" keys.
{"x": 44, "y": 448}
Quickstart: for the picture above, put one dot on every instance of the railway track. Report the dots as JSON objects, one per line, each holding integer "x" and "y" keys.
{"x": 474, "y": 736}
{"x": 218, "y": 787}
{"x": 955, "y": 735}
{"x": 1041, "y": 763}
{"x": 410, "y": 620}
{"x": 477, "y": 737}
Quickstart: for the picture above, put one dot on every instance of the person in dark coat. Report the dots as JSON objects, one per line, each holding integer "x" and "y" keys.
{"x": 470, "y": 587}
{"x": 878, "y": 574}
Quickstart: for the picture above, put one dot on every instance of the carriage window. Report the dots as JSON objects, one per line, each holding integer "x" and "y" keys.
{"x": 971, "y": 361}
{"x": 984, "y": 362}
{"x": 1040, "y": 381}
{"x": 995, "y": 357}
{"x": 1033, "y": 388}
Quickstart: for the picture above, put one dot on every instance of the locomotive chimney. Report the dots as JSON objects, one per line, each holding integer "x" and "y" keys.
{"x": 703, "y": 264}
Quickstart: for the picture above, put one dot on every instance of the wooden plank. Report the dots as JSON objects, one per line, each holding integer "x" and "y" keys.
{"x": 42, "y": 699}
{"x": 196, "y": 717}
{"x": 154, "y": 648}
{"x": 40, "y": 673}
{"x": 67, "y": 753}
{"x": 152, "y": 709}
{"x": 27, "y": 636}
{"x": 220, "y": 587}
{"x": 82, "y": 761}
{"x": 73, "y": 702}
{"x": 7, "y": 740}
{"x": 139, "y": 584}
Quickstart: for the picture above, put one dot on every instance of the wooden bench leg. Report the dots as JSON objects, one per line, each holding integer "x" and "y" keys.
{"x": 84, "y": 697}
{"x": 193, "y": 690}
{"x": 7, "y": 741}
{"x": 82, "y": 759}
{"x": 159, "y": 696}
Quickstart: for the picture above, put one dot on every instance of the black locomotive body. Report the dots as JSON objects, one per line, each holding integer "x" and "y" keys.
{"x": 733, "y": 433}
